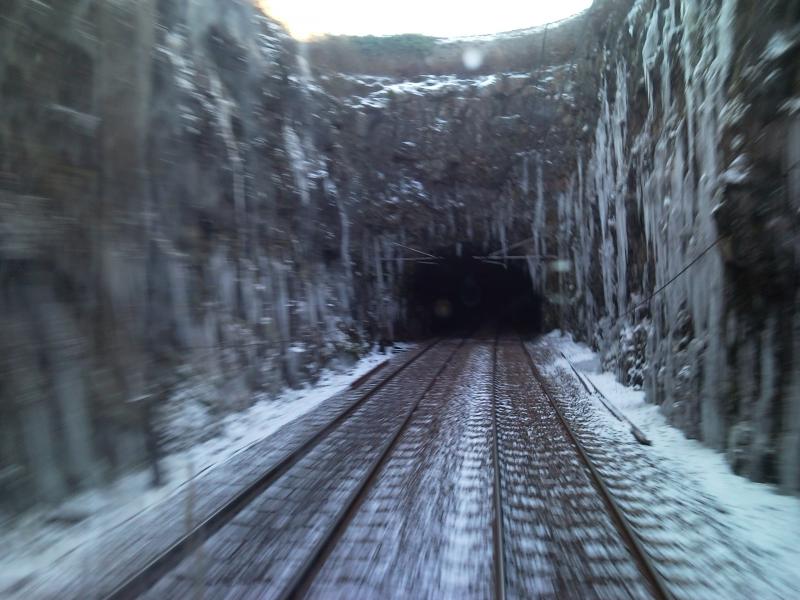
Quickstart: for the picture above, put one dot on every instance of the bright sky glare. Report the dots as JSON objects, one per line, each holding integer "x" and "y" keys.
{"x": 445, "y": 18}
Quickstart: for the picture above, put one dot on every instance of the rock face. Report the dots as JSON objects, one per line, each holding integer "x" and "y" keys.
{"x": 694, "y": 162}
{"x": 661, "y": 174}
{"x": 196, "y": 206}
{"x": 169, "y": 228}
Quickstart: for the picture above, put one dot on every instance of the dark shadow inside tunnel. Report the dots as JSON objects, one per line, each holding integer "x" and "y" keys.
{"x": 460, "y": 293}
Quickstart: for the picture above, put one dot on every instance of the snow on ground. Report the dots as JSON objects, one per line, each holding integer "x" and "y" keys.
{"x": 34, "y": 542}
{"x": 766, "y": 521}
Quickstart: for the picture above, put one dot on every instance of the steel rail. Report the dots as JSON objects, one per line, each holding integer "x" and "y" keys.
{"x": 497, "y": 529}
{"x": 304, "y": 576}
{"x": 626, "y": 531}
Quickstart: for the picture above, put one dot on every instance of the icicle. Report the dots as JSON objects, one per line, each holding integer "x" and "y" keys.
{"x": 649, "y": 55}
{"x": 224, "y": 114}
{"x": 619, "y": 137}
{"x": 297, "y": 162}
{"x": 525, "y": 175}
{"x": 538, "y": 231}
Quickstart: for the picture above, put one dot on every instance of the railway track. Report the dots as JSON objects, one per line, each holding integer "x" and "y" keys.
{"x": 657, "y": 584}
{"x": 137, "y": 584}
{"x": 509, "y": 362}
{"x": 305, "y": 574}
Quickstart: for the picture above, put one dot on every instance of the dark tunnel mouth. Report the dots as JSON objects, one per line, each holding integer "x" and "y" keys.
{"x": 458, "y": 293}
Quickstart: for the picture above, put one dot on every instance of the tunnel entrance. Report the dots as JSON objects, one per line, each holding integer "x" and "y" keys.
{"x": 459, "y": 293}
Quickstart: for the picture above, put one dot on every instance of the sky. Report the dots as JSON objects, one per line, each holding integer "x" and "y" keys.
{"x": 445, "y": 18}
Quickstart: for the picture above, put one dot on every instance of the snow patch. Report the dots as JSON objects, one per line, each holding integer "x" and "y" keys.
{"x": 35, "y": 543}
{"x": 764, "y": 521}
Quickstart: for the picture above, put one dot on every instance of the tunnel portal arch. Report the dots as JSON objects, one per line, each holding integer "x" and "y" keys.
{"x": 460, "y": 292}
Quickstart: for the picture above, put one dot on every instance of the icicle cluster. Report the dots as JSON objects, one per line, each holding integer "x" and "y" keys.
{"x": 666, "y": 170}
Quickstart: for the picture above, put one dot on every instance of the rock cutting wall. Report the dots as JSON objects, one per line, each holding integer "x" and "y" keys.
{"x": 171, "y": 239}
{"x": 197, "y": 209}
{"x": 694, "y": 154}
{"x": 666, "y": 138}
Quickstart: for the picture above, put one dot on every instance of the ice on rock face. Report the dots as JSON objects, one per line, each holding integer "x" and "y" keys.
{"x": 781, "y": 43}
{"x": 224, "y": 111}
{"x": 650, "y": 51}
{"x": 738, "y": 171}
{"x": 652, "y": 171}
{"x": 185, "y": 266}
{"x": 525, "y": 182}
{"x": 582, "y": 251}
{"x": 344, "y": 240}
{"x": 297, "y": 162}
{"x": 606, "y": 155}
{"x": 536, "y": 264}
{"x": 791, "y": 106}
{"x": 618, "y": 135}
